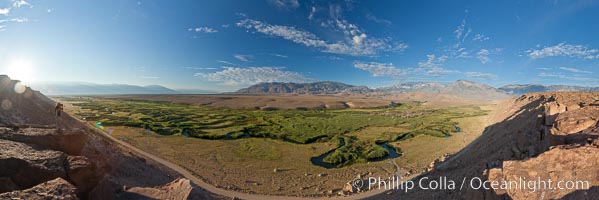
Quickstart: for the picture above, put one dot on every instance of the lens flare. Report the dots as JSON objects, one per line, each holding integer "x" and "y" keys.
{"x": 20, "y": 88}
{"x": 21, "y": 69}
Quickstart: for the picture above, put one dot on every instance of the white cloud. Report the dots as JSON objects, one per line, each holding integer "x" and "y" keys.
{"x": 564, "y": 49}
{"x": 381, "y": 69}
{"x": 240, "y": 14}
{"x": 225, "y": 62}
{"x": 4, "y": 11}
{"x": 481, "y": 75}
{"x": 201, "y": 68}
{"x": 285, "y": 4}
{"x": 433, "y": 66}
{"x": 203, "y": 30}
{"x": 373, "y": 18}
{"x": 279, "y": 55}
{"x": 243, "y": 58}
{"x": 356, "y": 43}
{"x": 467, "y": 34}
{"x": 586, "y": 80}
{"x": 483, "y": 56}
{"x": 16, "y": 20}
{"x": 570, "y": 69}
{"x": 312, "y": 12}
{"x": 461, "y": 53}
{"x": 480, "y": 38}
{"x": 460, "y": 29}
{"x": 19, "y": 3}
{"x": 148, "y": 77}
{"x": 234, "y": 76}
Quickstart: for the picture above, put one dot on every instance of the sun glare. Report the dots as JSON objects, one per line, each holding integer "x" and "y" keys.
{"x": 21, "y": 69}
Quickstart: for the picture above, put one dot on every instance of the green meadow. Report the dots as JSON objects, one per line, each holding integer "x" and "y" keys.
{"x": 357, "y": 133}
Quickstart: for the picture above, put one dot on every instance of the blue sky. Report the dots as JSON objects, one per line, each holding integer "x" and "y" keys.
{"x": 226, "y": 45}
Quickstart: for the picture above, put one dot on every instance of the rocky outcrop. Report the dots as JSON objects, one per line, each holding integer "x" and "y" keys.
{"x": 22, "y": 106}
{"x": 569, "y": 168}
{"x": 6, "y": 185}
{"x": 58, "y": 189}
{"x": 28, "y": 165}
{"x": 567, "y": 163}
{"x": 546, "y": 136}
{"x": 575, "y": 121}
{"x": 47, "y": 157}
{"x": 70, "y": 142}
{"x": 82, "y": 172}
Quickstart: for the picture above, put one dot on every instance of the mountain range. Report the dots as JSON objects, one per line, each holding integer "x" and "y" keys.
{"x": 520, "y": 89}
{"x": 460, "y": 88}
{"x": 81, "y": 88}
{"x": 325, "y": 87}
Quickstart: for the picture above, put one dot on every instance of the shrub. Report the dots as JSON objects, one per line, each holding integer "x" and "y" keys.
{"x": 377, "y": 152}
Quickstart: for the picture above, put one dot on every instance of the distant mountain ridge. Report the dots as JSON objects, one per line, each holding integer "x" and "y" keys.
{"x": 460, "y": 88}
{"x": 520, "y": 89}
{"x": 68, "y": 88}
{"x": 325, "y": 87}
{"x": 85, "y": 88}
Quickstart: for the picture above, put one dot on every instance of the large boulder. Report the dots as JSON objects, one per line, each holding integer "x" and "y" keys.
{"x": 70, "y": 141}
{"x": 58, "y": 189}
{"x": 28, "y": 165}
{"x": 552, "y": 109}
{"x": 82, "y": 173}
{"x": 571, "y": 122}
{"x": 6, "y": 185}
{"x": 564, "y": 163}
{"x": 177, "y": 190}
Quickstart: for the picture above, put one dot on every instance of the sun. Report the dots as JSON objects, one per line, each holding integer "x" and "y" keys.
{"x": 21, "y": 69}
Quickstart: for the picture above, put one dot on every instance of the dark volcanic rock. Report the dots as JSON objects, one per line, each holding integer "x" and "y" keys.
{"x": 6, "y": 185}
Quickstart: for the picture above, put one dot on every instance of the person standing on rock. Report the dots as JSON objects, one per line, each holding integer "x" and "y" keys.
{"x": 58, "y": 109}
